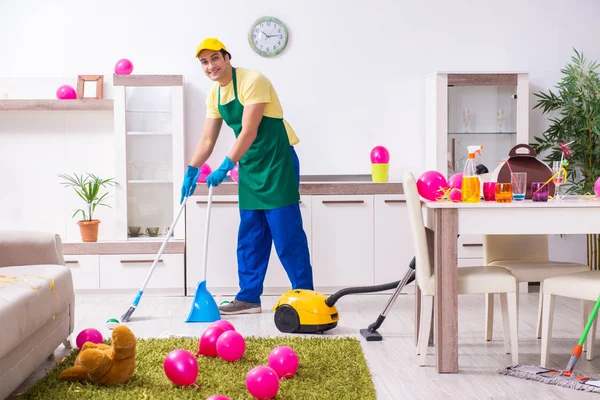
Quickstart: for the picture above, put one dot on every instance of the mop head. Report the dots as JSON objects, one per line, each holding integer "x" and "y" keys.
{"x": 553, "y": 377}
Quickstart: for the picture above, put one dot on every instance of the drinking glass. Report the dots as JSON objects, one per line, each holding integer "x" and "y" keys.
{"x": 489, "y": 191}
{"x": 500, "y": 119}
{"x": 466, "y": 115}
{"x": 539, "y": 191}
{"x": 504, "y": 192}
{"x": 559, "y": 179}
{"x": 519, "y": 185}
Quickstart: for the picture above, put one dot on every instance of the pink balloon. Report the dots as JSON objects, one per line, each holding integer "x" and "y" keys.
{"x": 597, "y": 187}
{"x": 181, "y": 367}
{"x": 218, "y": 397}
{"x": 455, "y": 195}
{"x": 231, "y": 346}
{"x": 380, "y": 155}
{"x": 123, "y": 67}
{"x": 208, "y": 341}
{"x": 284, "y": 361}
{"x": 88, "y": 335}
{"x": 223, "y": 324}
{"x": 66, "y": 92}
{"x": 235, "y": 173}
{"x": 429, "y": 184}
{"x": 262, "y": 382}
{"x": 455, "y": 181}
{"x": 205, "y": 170}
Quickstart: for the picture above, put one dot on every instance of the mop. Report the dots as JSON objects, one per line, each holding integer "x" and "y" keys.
{"x": 564, "y": 378}
{"x": 125, "y": 317}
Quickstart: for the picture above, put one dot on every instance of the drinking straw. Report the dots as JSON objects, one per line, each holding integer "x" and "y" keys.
{"x": 552, "y": 177}
{"x": 512, "y": 176}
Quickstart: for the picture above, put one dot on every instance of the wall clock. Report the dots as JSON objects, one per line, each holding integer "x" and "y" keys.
{"x": 268, "y": 36}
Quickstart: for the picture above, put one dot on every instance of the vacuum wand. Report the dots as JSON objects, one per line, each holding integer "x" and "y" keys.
{"x": 371, "y": 333}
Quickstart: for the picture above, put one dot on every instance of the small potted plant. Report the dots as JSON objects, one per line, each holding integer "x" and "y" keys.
{"x": 88, "y": 188}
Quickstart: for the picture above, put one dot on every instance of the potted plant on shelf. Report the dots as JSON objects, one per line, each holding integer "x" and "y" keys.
{"x": 575, "y": 122}
{"x": 88, "y": 189}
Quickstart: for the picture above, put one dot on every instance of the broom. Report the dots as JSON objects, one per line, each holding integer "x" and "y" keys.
{"x": 564, "y": 378}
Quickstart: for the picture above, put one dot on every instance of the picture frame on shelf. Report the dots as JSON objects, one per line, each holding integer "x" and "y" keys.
{"x": 85, "y": 83}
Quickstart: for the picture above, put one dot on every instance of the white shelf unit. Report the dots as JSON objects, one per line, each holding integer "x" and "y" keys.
{"x": 484, "y": 94}
{"x": 448, "y": 94}
{"x": 149, "y": 114}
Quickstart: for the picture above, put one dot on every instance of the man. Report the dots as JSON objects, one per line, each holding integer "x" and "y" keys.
{"x": 269, "y": 174}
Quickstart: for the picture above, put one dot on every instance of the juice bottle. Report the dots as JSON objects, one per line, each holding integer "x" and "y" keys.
{"x": 470, "y": 182}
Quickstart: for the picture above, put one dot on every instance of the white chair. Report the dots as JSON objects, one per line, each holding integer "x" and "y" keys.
{"x": 582, "y": 285}
{"x": 526, "y": 257}
{"x": 471, "y": 280}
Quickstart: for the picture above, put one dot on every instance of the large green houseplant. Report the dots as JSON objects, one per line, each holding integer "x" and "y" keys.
{"x": 575, "y": 117}
{"x": 88, "y": 189}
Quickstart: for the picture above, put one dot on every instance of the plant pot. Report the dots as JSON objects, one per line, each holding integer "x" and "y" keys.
{"x": 89, "y": 230}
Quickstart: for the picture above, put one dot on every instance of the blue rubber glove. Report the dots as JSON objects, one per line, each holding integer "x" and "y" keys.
{"x": 216, "y": 177}
{"x": 189, "y": 182}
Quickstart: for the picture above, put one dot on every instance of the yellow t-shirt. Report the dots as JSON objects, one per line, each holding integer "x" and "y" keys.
{"x": 253, "y": 88}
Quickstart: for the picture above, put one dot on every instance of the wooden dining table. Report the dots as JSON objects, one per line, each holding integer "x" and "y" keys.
{"x": 445, "y": 221}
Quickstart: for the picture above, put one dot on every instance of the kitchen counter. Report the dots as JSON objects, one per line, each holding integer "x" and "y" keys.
{"x": 322, "y": 185}
{"x": 149, "y": 246}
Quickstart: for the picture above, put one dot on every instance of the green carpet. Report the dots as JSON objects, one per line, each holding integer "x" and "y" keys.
{"x": 330, "y": 368}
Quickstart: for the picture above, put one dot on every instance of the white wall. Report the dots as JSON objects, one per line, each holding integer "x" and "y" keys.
{"x": 352, "y": 75}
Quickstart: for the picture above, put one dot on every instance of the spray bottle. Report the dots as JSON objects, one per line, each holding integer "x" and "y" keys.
{"x": 470, "y": 181}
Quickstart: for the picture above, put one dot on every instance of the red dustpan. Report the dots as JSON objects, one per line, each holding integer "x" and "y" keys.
{"x": 204, "y": 308}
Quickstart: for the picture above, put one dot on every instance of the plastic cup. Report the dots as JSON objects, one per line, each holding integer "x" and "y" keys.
{"x": 379, "y": 172}
{"x": 503, "y": 192}
{"x": 489, "y": 191}
{"x": 539, "y": 193}
{"x": 519, "y": 185}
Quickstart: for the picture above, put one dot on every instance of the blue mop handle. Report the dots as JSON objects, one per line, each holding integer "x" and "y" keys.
{"x": 137, "y": 298}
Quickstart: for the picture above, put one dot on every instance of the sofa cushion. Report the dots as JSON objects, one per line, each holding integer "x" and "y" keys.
{"x": 30, "y": 297}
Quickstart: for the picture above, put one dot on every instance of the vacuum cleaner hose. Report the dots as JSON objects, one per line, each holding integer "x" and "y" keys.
{"x": 331, "y": 300}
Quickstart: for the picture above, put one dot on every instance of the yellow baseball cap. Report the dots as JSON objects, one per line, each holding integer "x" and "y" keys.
{"x": 210, "y": 44}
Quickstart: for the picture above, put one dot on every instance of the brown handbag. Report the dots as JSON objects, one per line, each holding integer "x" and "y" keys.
{"x": 536, "y": 170}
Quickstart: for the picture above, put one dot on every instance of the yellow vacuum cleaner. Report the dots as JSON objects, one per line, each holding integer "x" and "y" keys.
{"x": 307, "y": 311}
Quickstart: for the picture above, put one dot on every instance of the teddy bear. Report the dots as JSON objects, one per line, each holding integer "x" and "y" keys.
{"x": 103, "y": 364}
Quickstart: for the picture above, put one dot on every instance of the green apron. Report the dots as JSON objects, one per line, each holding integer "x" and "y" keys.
{"x": 267, "y": 178}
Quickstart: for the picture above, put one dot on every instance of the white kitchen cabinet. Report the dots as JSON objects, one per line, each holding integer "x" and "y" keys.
{"x": 222, "y": 274}
{"x": 470, "y": 250}
{"x": 128, "y": 271}
{"x": 277, "y": 280}
{"x": 470, "y": 262}
{"x": 342, "y": 240}
{"x": 393, "y": 245}
{"x": 85, "y": 270}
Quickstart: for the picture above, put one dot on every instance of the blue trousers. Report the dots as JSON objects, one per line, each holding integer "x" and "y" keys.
{"x": 258, "y": 230}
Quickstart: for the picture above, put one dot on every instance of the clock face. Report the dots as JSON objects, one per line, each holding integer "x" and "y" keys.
{"x": 268, "y": 36}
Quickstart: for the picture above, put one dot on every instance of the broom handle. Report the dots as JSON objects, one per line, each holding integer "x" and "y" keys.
{"x": 208, "y": 207}
{"x": 589, "y": 323}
